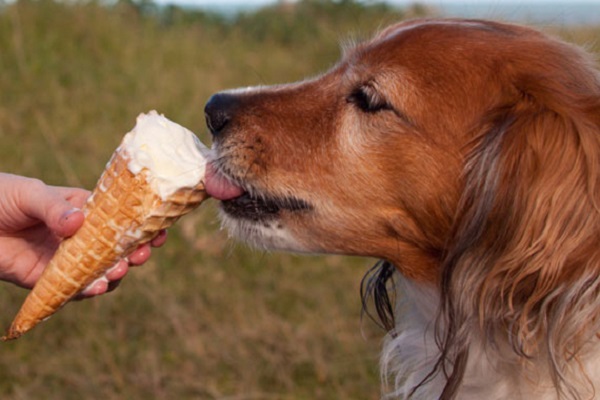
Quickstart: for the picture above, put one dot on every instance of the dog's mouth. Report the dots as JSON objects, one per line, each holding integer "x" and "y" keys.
{"x": 262, "y": 208}
{"x": 252, "y": 205}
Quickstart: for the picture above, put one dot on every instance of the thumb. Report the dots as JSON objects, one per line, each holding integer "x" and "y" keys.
{"x": 47, "y": 204}
{"x": 68, "y": 222}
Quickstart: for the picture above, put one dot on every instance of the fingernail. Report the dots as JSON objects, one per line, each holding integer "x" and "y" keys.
{"x": 66, "y": 215}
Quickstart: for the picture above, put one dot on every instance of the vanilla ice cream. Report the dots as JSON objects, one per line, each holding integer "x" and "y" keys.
{"x": 170, "y": 155}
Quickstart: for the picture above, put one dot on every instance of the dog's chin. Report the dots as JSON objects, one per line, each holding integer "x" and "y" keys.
{"x": 261, "y": 221}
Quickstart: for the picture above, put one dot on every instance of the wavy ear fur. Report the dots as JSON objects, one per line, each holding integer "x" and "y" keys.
{"x": 523, "y": 269}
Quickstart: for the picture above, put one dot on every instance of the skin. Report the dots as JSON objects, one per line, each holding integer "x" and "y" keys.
{"x": 34, "y": 217}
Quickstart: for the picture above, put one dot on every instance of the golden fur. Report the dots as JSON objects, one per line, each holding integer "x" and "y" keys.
{"x": 466, "y": 154}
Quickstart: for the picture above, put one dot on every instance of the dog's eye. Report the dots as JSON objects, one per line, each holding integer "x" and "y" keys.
{"x": 367, "y": 99}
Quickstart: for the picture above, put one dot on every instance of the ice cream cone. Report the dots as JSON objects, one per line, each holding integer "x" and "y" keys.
{"x": 123, "y": 212}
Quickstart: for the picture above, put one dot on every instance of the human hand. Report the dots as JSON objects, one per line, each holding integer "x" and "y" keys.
{"x": 34, "y": 217}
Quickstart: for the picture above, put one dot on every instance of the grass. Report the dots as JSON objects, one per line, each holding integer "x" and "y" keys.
{"x": 205, "y": 318}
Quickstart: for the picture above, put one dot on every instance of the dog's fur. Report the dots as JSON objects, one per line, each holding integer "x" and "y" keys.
{"x": 466, "y": 155}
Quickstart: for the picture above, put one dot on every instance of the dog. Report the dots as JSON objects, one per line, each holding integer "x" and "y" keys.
{"x": 465, "y": 155}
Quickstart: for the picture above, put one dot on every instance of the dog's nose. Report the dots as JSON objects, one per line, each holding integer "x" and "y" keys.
{"x": 219, "y": 112}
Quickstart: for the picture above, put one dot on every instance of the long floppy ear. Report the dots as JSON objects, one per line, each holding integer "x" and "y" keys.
{"x": 523, "y": 269}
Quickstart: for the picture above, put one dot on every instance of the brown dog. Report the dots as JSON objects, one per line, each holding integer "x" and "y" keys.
{"x": 466, "y": 155}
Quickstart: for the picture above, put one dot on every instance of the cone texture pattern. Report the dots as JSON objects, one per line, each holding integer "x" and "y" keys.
{"x": 122, "y": 213}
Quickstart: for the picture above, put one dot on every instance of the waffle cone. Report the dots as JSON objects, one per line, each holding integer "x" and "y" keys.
{"x": 122, "y": 213}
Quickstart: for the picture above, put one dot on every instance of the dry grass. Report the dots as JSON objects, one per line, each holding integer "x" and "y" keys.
{"x": 205, "y": 318}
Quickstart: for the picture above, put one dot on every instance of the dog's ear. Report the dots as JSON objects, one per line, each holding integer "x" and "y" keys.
{"x": 524, "y": 256}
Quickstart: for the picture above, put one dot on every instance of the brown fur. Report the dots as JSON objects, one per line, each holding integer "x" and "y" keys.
{"x": 480, "y": 174}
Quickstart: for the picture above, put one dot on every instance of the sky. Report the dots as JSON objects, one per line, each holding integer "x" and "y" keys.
{"x": 199, "y": 2}
{"x": 557, "y": 11}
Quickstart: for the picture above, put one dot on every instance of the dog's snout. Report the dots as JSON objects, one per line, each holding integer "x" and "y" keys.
{"x": 219, "y": 112}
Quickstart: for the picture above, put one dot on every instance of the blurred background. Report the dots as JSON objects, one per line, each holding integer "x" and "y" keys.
{"x": 206, "y": 318}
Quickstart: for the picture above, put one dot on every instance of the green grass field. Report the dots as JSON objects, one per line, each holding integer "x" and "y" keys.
{"x": 206, "y": 318}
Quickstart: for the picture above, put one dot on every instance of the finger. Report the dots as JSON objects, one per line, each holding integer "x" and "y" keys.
{"x": 99, "y": 286}
{"x": 117, "y": 272}
{"x": 160, "y": 239}
{"x": 106, "y": 283}
{"x": 141, "y": 255}
{"x": 68, "y": 223}
{"x": 48, "y": 204}
{"x": 75, "y": 196}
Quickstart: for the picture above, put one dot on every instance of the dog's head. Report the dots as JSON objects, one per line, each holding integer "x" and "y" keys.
{"x": 464, "y": 152}
{"x": 370, "y": 157}
{"x": 365, "y": 159}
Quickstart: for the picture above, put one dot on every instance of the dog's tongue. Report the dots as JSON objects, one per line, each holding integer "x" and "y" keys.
{"x": 220, "y": 187}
